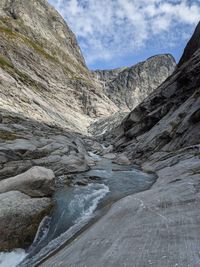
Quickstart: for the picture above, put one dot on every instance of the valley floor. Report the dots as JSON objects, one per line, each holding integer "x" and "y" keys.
{"x": 158, "y": 227}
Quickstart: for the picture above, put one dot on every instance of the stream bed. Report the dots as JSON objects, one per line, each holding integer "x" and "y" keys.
{"x": 78, "y": 206}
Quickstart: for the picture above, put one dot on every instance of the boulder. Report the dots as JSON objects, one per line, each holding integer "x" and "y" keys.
{"x": 109, "y": 156}
{"x": 20, "y": 216}
{"x": 122, "y": 159}
{"x": 36, "y": 182}
{"x": 108, "y": 149}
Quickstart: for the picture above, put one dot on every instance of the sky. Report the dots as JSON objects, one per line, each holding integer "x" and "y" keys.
{"x": 118, "y": 33}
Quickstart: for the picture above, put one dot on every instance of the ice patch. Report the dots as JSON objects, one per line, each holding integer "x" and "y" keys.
{"x": 13, "y": 258}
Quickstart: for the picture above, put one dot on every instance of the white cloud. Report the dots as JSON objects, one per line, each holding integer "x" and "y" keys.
{"x": 107, "y": 28}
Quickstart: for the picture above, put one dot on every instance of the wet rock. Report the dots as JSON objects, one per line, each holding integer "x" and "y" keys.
{"x": 122, "y": 159}
{"x": 109, "y": 156}
{"x": 158, "y": 226}
{"x": 95, "y": 178}
{"x": 108, "y": 149}
{"x": 82, "y": 182}
{"x": 20, "y": 216}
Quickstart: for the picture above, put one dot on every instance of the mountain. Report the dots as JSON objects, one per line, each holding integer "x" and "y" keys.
{"x": 168, "y": 119}
{"x": 43, "y": 73}
{"x": 128, "y": 86}
{"x": 160, "y": 226}
{"x": 48, "y": 100}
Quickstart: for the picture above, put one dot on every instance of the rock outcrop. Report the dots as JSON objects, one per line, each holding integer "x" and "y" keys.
{"x": 47, "y": 90}
{"x": 36, "y": 182}
{"x": 20, "y": 216}
{"x": 168, "y": 119}
{"x": 128, "y": 86}
{"x": 44, "y": 77}
{"x": 25, "y": 143}
{"x": 103, "y": 126}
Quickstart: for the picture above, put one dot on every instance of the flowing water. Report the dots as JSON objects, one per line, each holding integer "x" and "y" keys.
{"x": 77, "y": 206}
{"x": 11, "y": 259}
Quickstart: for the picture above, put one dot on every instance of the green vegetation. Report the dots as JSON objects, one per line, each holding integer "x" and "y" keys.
{"x": 4, "y": 63}
{"x": 22, "y": 76}
{"x": 8, "y": 136}
{"x": 26, "y": 79}
{"x": 37, "y": 47}
{"x": 6, "y": 31}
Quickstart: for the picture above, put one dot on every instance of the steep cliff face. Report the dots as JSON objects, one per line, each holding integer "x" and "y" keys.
{"x": 44, "y": 76}
{"x": 127, "y": 87}
{"x": 43, "y": 73}
{"x": 169, "y": 119}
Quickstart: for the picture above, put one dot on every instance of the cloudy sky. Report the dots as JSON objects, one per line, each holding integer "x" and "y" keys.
{"x": 113, "y": 33}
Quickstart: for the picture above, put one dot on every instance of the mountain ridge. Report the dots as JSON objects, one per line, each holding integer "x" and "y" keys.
{"x": 128, "y": 86}
{"x": 43, "y": 72}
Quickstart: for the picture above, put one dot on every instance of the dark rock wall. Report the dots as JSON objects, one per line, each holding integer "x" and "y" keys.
{"x": 168, "y": 119}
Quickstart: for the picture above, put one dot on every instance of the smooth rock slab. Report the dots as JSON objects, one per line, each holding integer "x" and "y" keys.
{"x": 36, "y": 182}
{"x": 158, "y": 227}
{"x": 20, "y": 216}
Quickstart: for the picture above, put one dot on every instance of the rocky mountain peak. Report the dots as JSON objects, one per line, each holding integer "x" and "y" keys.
{"x": 128, "y": 86}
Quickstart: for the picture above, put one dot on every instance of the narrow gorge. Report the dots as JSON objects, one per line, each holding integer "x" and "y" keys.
{"x": 97, "y": 168}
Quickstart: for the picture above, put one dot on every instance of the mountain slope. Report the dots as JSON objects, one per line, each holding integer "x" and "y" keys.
{"x": 44, "y": 76}
{"x": 43, "y": 73}
{"x": 128, "y": 86}
{"x": 168, "y": 119}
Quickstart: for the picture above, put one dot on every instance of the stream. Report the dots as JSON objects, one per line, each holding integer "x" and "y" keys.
{"x": 79, "y": 206}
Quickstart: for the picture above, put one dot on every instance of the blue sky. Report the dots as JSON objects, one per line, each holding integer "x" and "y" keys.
{"x": 115, "y": 33}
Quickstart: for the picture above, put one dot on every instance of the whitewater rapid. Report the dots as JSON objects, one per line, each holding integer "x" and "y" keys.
{"x": 13, "y": 258}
